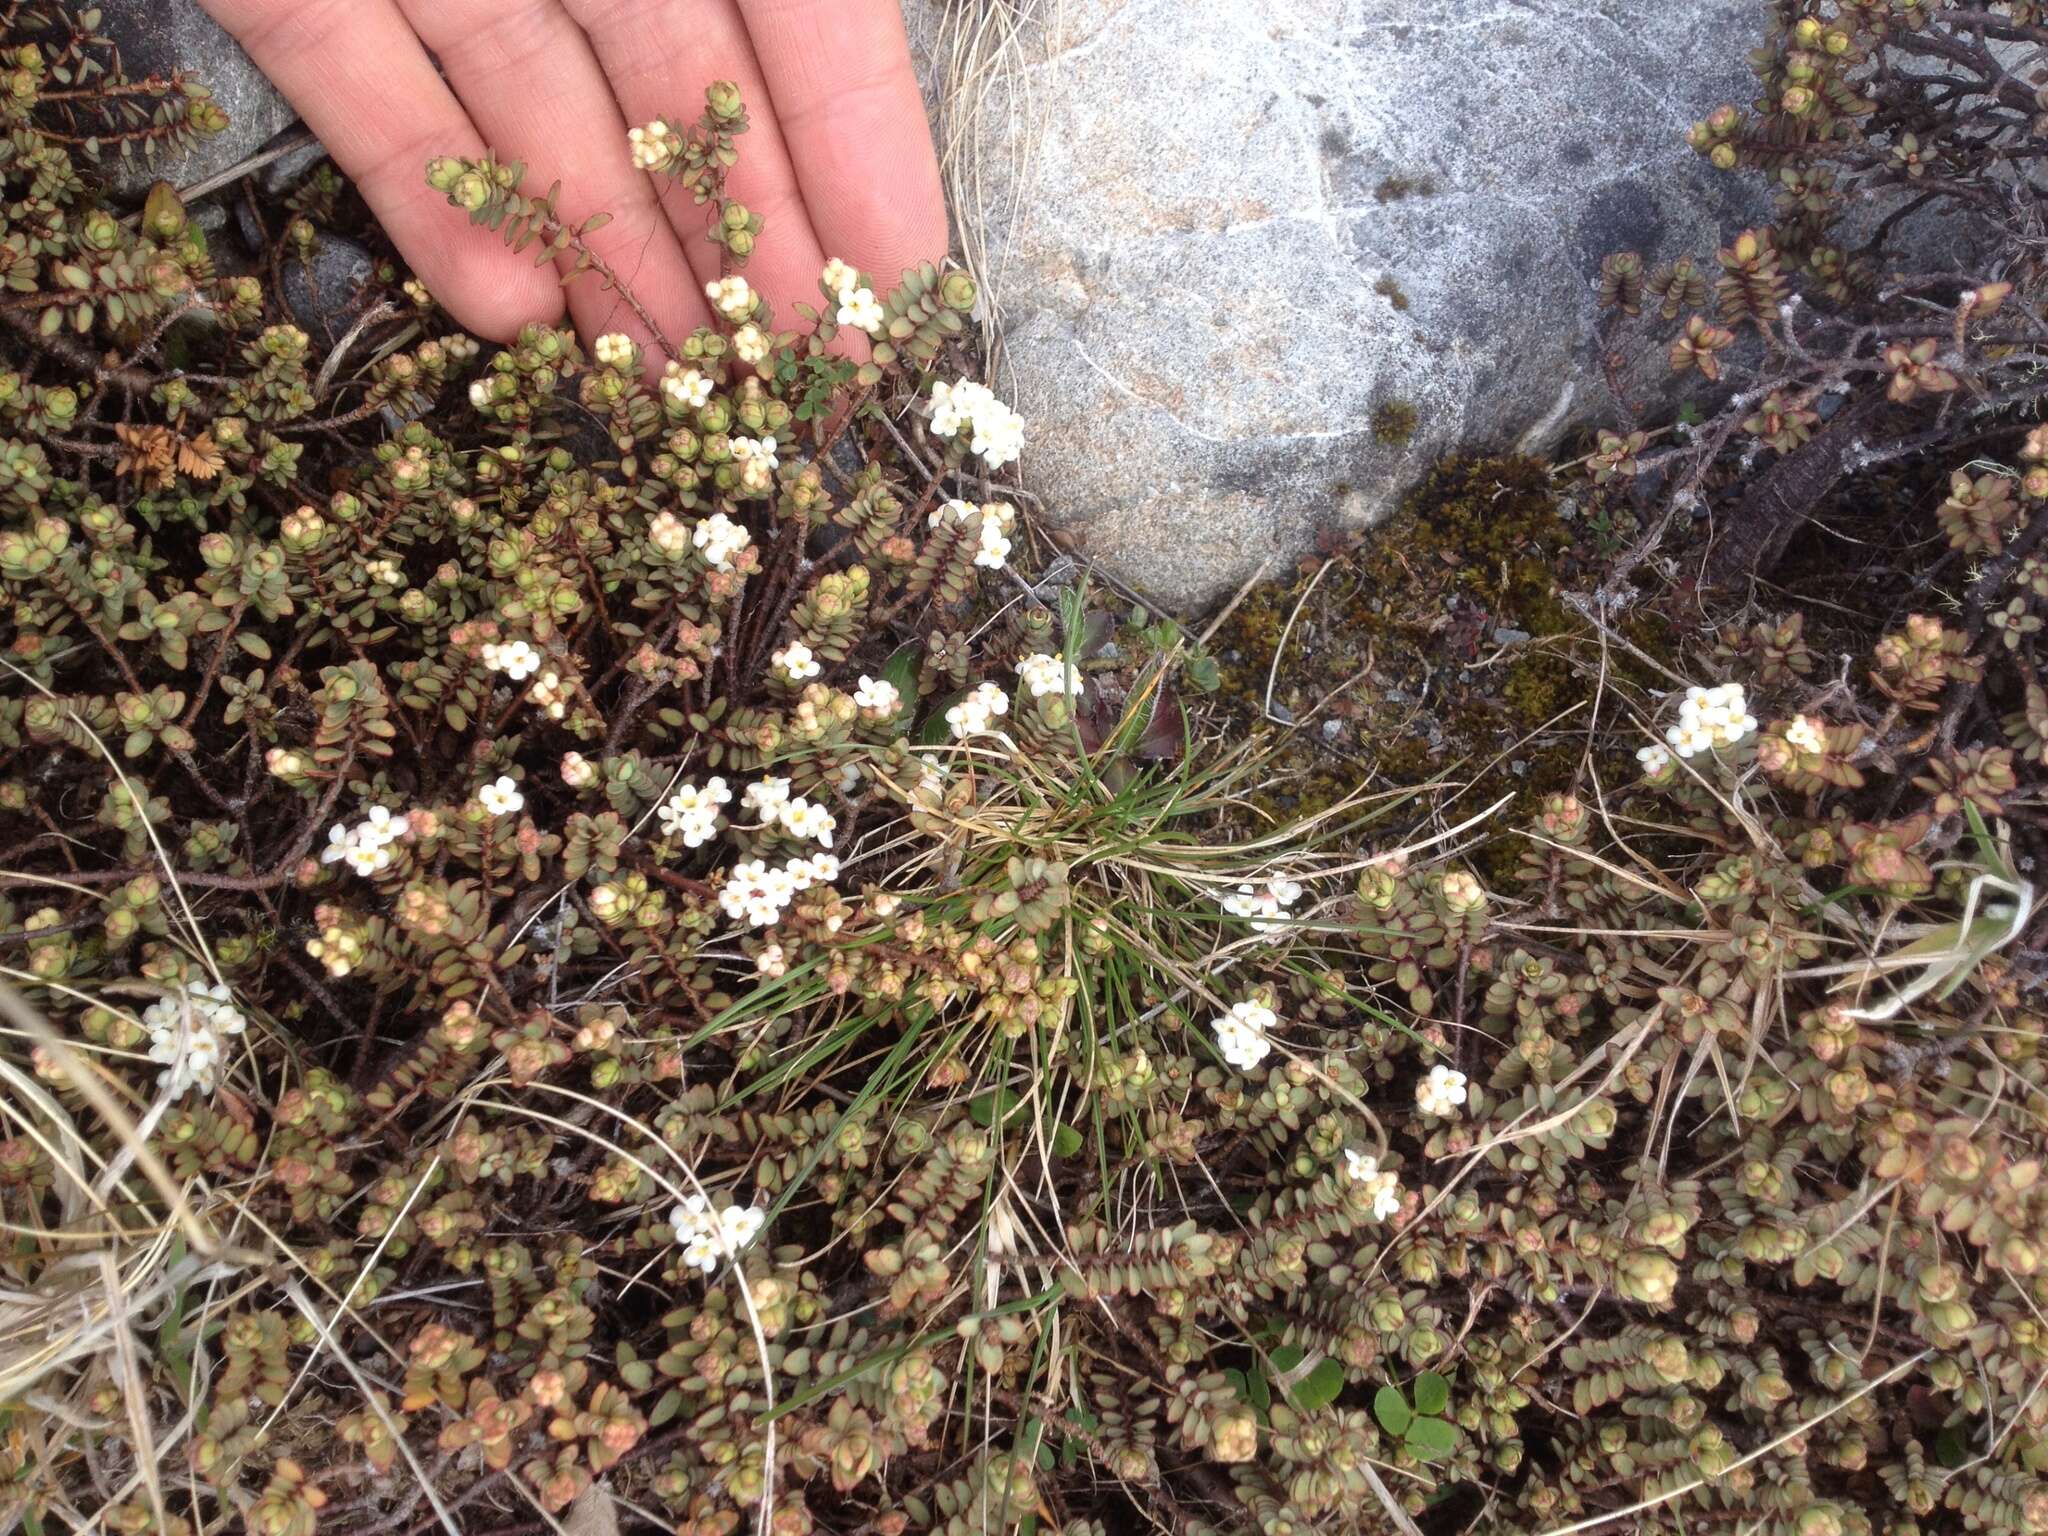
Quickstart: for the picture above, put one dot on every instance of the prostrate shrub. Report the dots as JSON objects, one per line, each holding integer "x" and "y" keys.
{"x": 581, "y": 946}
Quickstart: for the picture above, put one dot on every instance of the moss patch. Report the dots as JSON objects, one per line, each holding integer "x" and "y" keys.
{"x": 1393, "y": 422}
{"x": 1436, "y": 646}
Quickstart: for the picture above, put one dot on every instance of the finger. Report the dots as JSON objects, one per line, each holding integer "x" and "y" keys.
{"x": 659, "y": 55}
{"x": 847, "y": 103}
{"x": 533, "y": 87}
{"x": 339, "y": 61}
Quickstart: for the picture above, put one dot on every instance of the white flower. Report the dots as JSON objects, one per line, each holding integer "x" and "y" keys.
{"x": 756, "y": 893}
{"x": 615, "y": 349}
{"x": 994, "y": 430}
{"x": 651, "y": 146}
{"x": 838, "y": 277}
{"x": 577, "y": 770}
{"x": 685, "y": 388}
{"x": 1710, "y": 719}
{"x": 1044, "y": 674}
{"x": 480, "y": 394}
{"x": 365, "y": 847}
{"x": 718, "y": 538}
{"x": 386, "y": 571}
{"x": 1264, "y": 906}
{"x": 795, "y": 662}
{"x": 380, "y": 828}
{"x": 732, "y": 297}
{"x": 1653, "y": 758}
{"x": 1806, "y": 734}
{"x": 771, "y": 961}
{"x": 878, "y": 698}
{"x": 860, "y": 308}
{"x": 766, "y": 798}
{"x": 692, "y": 813}
{"x": 1384, "y": 1186}
{"x": 751, "y": 344}
{"x": 740, "y": 1225}
{"x": 1241, "y": 1034}
{"x": 823, "y": 868}
{"x": 997, "y": 518}
{"x": 975, "y": 714}
{"x": 800, "y": 818}
{"x": 501, "y": 798}
{"x": 517, "y": 660}
{"x": 1441, "y": 1092}
{"x": 669, "y": 534}
{"x": 756, "y": 459}
{"x": 551, "y": 694}
{"x": 188, "y": 1033}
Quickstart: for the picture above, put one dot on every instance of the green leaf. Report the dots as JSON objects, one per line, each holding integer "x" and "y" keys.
{"x": 1431, "y": 1438}
{"x": 1319, "y": 1388}
{"x": 255, "y": 645}
{"x": 1432, "y": 1393}
{"x": 671, "y": 1402}
{"x": 983, "y": 1108}
{"x": 1066, "y": 1141}
{"x": 1391, "y": 1409}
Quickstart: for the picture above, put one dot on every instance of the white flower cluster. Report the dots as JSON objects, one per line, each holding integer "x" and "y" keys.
{"x": 707, "y": 1236}
{"x": 878, "y": 698}
{"x": 692, "y": 813}
{"x": 652, "y": 147}
{"x": 551, "y": 694}
{"x": 1265, "y": 906}
{"x": 188, "y": 1035}
{"x": 770, "y": 800}
{"x": 615, "y": 349}
{"x": 1386, "y": 1187}
{"x": 750, "y": 344}
{"x": 975, "y": 715}
{"x": 718, "y": 538}
{"x": 516, "y": 659}
{"x": 1654, "y": 759}
{"x": 366, "y": 846}
{"x": 757, "y": 893}
{"x": 1241, "y": 1034}
{"x": 578, "y": 770}
{"x": 731, "y": 296}
{"x": 994, "y": 430}
{"x": 1441, "y": 1092}
{"x": 1044, "y": 674}
{"x": 687, "y": 389}
{"x": 858, "y": 305}
{"x": 795, "y": 662}
{"x": 501, "y": 798}
{"x": 1709, "y": 719}
{"x": 997, "y": 518}
{"x": 1806, "y": 734}
{"x": 756, "y": 459}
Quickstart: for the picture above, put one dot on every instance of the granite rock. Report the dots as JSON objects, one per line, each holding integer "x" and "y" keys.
{"x": 156, "y": 37}
{"x": 1223, "y": 235}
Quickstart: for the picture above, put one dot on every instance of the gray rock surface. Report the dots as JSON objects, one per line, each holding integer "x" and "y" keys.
{"x": 1223, "y": 233}
{"x": 156, "y": 37}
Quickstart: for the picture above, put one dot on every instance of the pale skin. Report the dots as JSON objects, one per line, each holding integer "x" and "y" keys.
{"x": 838, "y": 159}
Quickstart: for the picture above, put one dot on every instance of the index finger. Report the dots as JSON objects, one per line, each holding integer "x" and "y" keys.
{"x": 340, "y": 62}
{"x": 847, "y": 101}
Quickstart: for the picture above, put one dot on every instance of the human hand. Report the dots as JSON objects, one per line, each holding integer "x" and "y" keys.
{"x": 838, "y": 160}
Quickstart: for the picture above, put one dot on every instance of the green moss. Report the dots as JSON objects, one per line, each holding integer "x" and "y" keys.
{"x": 1393, "y": 422}
{"x": 1417, "y": 605}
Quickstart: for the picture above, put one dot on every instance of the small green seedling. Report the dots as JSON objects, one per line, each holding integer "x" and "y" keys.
{"x": 1418, "y": 1425}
